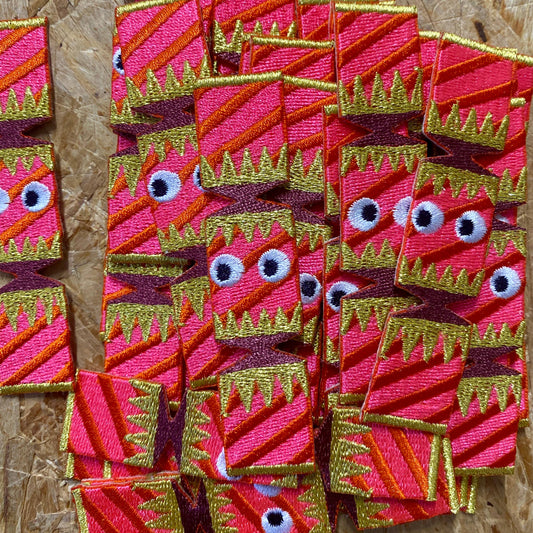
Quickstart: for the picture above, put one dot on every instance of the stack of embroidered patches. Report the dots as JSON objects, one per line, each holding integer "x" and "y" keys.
{"x": 34, "y": 333}
{"x": 314, "y": 284}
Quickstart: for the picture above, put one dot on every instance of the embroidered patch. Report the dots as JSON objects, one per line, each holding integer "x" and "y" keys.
{"x": 35, "y": 334}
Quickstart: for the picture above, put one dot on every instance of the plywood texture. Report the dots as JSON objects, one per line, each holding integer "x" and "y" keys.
{"x": 33, "y": 497}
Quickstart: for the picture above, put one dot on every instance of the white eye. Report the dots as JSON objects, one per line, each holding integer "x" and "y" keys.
{"x": 274, "y": 265}
{"x": 35, "y": 196}
{"x": 401, "y": 211}
{"x": 310, "y": 288}
{"x": 505, "y": 282}
{"x": 164, "y": 186}
{"x": 196, "y": 178}
{"x": 268, "y": 490}
{"x": 427, "y": 218}
{"x": 4, "y": 200}
{"x": 364, "y": 214}
{"x": 276, "y": 521}
{"x": 226, "y": 270}
{"x": 470, "y": 227}
{"x": 501, "y": 218}
{"x": 222, "y": 469}
{"x": 337, "y": 291}
{"x": 117, "y": 62}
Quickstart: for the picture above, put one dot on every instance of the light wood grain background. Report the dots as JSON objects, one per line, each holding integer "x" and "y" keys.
{"x": 33, "y": 496}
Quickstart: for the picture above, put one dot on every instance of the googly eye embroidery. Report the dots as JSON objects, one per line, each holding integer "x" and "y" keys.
{"x": 117, "y": 62}
{"x": 226, "y": 270}
{"x": 4, "y": 200}
{"x": 274, "y": 265}
{"x": 337, "y": 291}
{"x": 196, "y": 178}
{"x": 401, "y": 211}
{"x": 364, "y": 214}
{"x": 310, "y": 288}
{"x": 35, "y": 196}
{"x": 267, "y": 490}
{"x": 470, "y": 227}
{"x": 276, "y": 521}
{"x": 222, "y": 469}
{"x": 164, "y": 186}
{"x": 427, "y": 218}
{"x": 505, "y": 282}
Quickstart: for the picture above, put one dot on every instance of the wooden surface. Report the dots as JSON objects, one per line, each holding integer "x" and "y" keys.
{"x": 33, "y": 497}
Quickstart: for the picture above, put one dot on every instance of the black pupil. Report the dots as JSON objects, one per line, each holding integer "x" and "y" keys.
{"x": 466, "y": 228}
{"x": 31, "y": 198}
{"x": 159, "y": 187}
{"x": 423, "y": 218}
{"x": 270, "y": 267}
{"x": 308, "y": 287}
{"x": 118, "y": 62}
{"x": 275, "y": 518}
{"x": 369, "y": 212}
{"x": 223, "y": 272}
{"x": 336, "y": 297}
{"x": 501, "y": 283}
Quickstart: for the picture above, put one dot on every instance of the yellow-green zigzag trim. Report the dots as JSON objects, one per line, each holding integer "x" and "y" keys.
{"x": 147, "y": 420}
{"x": 245, "y": 382}
{"x": 415, "y": 330}
{"x": 408, "y": 155}
{"x": 459, "y": 284}
{"x": 266, "y": 324}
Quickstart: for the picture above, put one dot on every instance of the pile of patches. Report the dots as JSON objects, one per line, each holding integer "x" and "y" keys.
{"x": 314, "y": 282}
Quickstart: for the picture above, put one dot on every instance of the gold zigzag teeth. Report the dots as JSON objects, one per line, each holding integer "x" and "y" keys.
{"x": 494, "y": 339}
{"x": 221, "y": 43}
{"x": 310, "y": 180}
{"x": 176, "y": 137}
{"x": 218, "y": 503}
{"x": 131, "y": 166}
{"x": 408, "y": 155}
{"x": 365, "y": 308}
{"x": 459, "y": 284}
{"x": 501, "y": 239}
{"x": 32, "y": 106}
{"x": 266, "y": 324}
{"x": 315, "y": 498}
{"x": 197, "y": 292}
{"x": 414, "y": 330}
{"x": 144, "y": 315}
{"x": 147, "y": 402}
{"x": 333, "y": 252}
{"x": 483, "y": 386}
{"x": 511, "y": 192}
{"x": 194, "y": 433}
{"x": 127, "y": 116}
{"x": 457, "y": 180}
{"x": 17, "y": 302}
{"x": 248, "y": 223}
{"x": 165, "y": 506}
{"x": 316, "y": 234}
{"x": 173, "y": 88}
{"x": 11, "y": 157}
{"x": 29, "y": 252}
{"x": 263, "y": 378}
{"x": 267, "y": 171}
{"x": 381, "y": 101}
{"x": 367, "y": 511}
{"x": 332, "y": 350}
{"x": 369, "y": 258}
{"x": 177, "y": 241}
{"x": 333, "y": 204}
{"x": 469, "y": 131}
{"x": 343, "y": 452}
